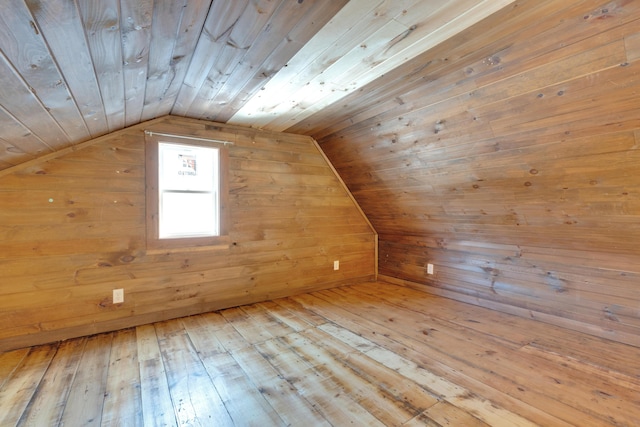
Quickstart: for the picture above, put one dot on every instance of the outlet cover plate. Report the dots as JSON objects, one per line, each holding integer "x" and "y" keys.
{"x": 118, "y": 296}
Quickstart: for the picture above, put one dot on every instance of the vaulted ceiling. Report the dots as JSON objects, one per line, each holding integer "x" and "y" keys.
{"x": 74, "y": 70}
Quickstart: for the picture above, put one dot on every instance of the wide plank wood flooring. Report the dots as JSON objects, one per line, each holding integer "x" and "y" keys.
{"x": 372, "y": 354}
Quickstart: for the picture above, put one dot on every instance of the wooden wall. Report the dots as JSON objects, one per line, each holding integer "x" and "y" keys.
{"x": 72, "y": 229}
{"x": 509, "y": 158}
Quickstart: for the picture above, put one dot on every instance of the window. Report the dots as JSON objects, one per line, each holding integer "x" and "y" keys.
{"x": 186, "y": 191}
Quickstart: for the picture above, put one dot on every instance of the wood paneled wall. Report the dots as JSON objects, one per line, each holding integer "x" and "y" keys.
{"x": 508, "y": 157}
{"x": 72, "y": 229}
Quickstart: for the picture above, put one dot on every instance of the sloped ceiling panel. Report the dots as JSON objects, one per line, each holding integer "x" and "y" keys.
{"x": 72, "y": 71}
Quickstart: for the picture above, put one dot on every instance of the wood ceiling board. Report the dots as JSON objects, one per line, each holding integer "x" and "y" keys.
{"x": 334, "y": 40}
{"x": 174, "y": 34}
{"x": 336, "y": 79}
{"x": 25, "y": 49}
{"x": 289, "y": 45}
{"x": 275, "y": 34}
{"x": 197, "y": 99}
{"x": 249, "y": 28}
{"x": 11, "y": 155}
{"x": 384, "y": 66}
{"x": 407, "y": 43}
{"x": 60, "y": 24}
{"x": 102, "y": 28}
{"x": 22, "y": 141}
{"x": 311, "y": 58}
{"x": 27, "y": 109}
{"x": 98, "y": 66}
{"x": 447, "y": 61}
{"x": 135, "y": 28}
{"x": 215, "y": 35}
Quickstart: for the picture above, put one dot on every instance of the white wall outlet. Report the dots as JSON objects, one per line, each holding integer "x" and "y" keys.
{"x": 429, "y": 268}
{"x": 118, "y": 296}
{"x": 336, "y": 265}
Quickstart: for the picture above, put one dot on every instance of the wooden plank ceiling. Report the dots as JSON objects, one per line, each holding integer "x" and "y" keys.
{"x": 71, "y": 71}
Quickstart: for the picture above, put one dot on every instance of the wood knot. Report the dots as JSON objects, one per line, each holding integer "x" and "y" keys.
{"x": 527, "y": 184}
{"x": 493, "y": 60}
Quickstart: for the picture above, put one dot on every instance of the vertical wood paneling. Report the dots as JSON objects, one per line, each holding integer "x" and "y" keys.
{"x": 507, "y": 158}
{"x": 73, "y": 230}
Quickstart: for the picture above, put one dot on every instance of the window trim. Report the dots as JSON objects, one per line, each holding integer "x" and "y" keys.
{"x": 154, "y": 242}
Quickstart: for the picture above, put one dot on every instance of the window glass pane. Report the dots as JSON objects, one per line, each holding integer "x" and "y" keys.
{"x": 188, "y": 214}
{"x": 188, "y": 190}
{"x": 187, "y": 167}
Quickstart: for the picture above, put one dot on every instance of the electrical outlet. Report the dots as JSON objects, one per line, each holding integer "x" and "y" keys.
{"x": 118, "y": 296}
{"x": 336, "y": 265}
{"x": 429, "y": 268}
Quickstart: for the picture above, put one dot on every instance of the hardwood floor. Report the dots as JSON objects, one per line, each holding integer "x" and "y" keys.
{"x": 370, "y": 354}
